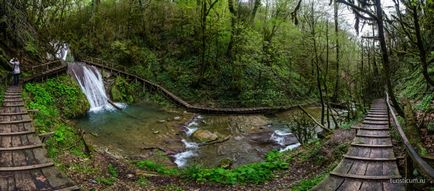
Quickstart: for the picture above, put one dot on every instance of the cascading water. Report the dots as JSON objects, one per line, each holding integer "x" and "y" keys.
{"x": 91, "y": 82}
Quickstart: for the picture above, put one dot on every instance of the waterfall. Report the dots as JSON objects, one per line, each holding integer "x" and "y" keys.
{"x": 92, "y": 84}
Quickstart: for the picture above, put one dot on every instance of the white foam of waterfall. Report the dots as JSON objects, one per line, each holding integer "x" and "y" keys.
{"x": 92, "y": 85}
{"x": 290, "y": 147}
{"x": 193, "y": 125}
{"x": 181, "y": 158}
{"x": 278, "y": 137}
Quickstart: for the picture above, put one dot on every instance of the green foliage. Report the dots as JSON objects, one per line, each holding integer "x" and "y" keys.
{"x": 251, "y": 173}
{"x": 106, "y": 181}
{"x": 150, "y": 165}
{"x": 122, "y": 91}
{"x": 142, "y": 182}
{"x": 31, "y": 48}
{"x": 61, "y": 93}
{"x": 113, "y": 171}
{"x": 308, "y": 184}
{"x": 426, "y": 103}
{"x": 54, "y": 99}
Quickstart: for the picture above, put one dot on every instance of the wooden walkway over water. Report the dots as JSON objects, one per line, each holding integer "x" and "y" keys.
{"x": 370, "y": 163}
{"x": 24, "y": 164}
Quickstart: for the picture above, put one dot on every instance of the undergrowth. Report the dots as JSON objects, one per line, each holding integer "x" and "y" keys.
{"x": 255, "y": 173}
{"x": 56, "y": 100}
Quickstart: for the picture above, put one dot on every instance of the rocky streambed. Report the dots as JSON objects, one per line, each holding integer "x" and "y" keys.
{"x": 180, "y": 139}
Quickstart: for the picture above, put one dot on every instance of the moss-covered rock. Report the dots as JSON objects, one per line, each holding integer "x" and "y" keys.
{"x": 122, "y": 91}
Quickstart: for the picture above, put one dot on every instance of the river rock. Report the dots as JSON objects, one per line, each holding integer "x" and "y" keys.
{"x": 263, "y": 137}
{"x": 177, "y": 118}
{"x": 225, "y": 163}
{"x": 204, "y": 135}
{"x": 162, "y": 121}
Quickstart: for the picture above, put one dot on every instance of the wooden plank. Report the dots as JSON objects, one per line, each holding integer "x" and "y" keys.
{"x": 350, "y": 184}
{"x": 329, "y": 183}
{"x": 24, "y": 168}
{"x": 17, "y": 133}
{"x": 373, "y": 133}
{"x": 363, "y": 177}
{"x": 24, "y": 181}
{"x": 41, "y": 182}
{"x": 7, "y": 181}
{"x": 15, "y": 122}
{"x": 21, "y": 147}
{"x": 56, "y": 179}
{"x": 370, "y": 145}
{"x": 373, "y": 136}
{"x": 13, "y": 114}
{"x": 387, "y": 186}
{"x": 369, "y": 158}
{"x": 371, "y": 186}
{"x": 70, "y": 188}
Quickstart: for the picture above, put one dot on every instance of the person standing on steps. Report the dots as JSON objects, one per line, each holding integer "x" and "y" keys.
{"x": 15, "y": 70}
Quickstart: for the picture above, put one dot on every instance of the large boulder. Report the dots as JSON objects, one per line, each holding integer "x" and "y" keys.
{"x": 202, "y": 135}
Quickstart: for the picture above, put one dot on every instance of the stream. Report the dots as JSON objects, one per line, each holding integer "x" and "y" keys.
{"x": 208, "y": 140}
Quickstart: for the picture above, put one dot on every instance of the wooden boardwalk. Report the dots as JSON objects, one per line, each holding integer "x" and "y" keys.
{"x": 370, "y": 163}
{"x": 24, "y": 164}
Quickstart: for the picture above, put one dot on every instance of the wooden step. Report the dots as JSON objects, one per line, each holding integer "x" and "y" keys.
{"x": 72, "y": 188}
{"x": 13, "y": 94}
{"x": 29, "y": 167}
{"x": 21, "y": 147}
{"x": 372, "y": 146}
{"x": 371, "y": 128}
{"x": 11, "y": 97}
{"x": 376, "y": 119}
{"x": 17, "y": 133}
{"x": 369, "y": 159}
{"x": 15, "y": 122}
{"x": 377, "y": 116}
{"x": 13, "y": 100}
{"x": 354, "y": 176}
{"x": 17, "y": 105}
{"x": 375, "y": 122}
{"x": 12, "y": 114}
{"x": 377, "y": 113}
{"x": 373, "y": 136}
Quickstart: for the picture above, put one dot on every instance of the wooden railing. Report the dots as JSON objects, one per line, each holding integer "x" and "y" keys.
{"x": 179, "y": 101}
{"x": 412, "y": 155}
{"x": 46, "y": 66}
{"x": 43, "y": 71}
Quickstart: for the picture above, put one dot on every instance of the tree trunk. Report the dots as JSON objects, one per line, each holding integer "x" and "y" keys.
{"x": 386, "y": 63}
{"x": 326, "y": 75}
{"x": 233, "y": 29}
{"x": 336, "y": 92}
{"x": 318, "y": 74}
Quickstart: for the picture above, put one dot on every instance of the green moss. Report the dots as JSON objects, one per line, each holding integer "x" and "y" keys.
{"x": 56, "y": 100}
{"x": 122, "y": 91}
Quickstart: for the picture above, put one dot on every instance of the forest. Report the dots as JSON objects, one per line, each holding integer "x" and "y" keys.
{"x": 218, "y": 94}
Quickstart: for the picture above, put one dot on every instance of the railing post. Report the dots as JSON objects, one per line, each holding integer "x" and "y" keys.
{"x": 409, "y": 168}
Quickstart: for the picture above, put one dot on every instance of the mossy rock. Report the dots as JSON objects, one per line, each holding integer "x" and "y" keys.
{"x": 204, "y": 135}
{"x": 121, "y": 91}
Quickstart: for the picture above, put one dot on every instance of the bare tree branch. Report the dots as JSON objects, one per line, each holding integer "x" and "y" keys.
{"x": 359, "y": 9}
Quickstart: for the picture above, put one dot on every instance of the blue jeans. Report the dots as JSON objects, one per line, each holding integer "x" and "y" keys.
{"x": 16, "y": 79}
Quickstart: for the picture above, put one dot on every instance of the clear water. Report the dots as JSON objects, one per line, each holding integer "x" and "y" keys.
{"x": 130, "y": 137}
